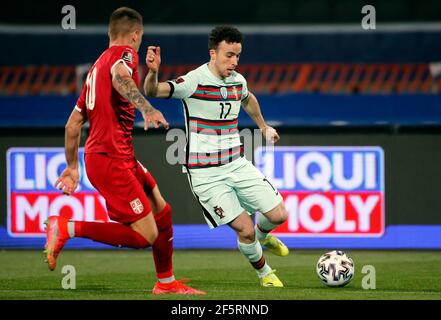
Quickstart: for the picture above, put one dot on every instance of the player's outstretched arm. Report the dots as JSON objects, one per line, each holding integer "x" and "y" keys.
{"x": 251, "y": 106}
{"x": 152, "y": 87}
{"x": 69, "y": 178}
{"x": 124, "y": 84}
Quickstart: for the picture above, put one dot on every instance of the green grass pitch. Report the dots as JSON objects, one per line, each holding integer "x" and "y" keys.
{"x": 223, "y": 274}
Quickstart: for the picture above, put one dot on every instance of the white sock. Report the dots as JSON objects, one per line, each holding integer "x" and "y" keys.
{"x": 253, "y": 252}
{"x": 264, "y": 224}
{"x": 167, "y": 280}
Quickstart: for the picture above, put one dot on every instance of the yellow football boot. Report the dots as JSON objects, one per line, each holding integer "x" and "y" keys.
{"x": 275, "y": 246}
{"x": 271, "y": 280}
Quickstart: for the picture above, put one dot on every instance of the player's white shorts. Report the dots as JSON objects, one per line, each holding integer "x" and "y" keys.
{"x": 226, "y": 191}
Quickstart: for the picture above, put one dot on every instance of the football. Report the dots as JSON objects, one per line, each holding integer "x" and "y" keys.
{"x": 335, "y": 269}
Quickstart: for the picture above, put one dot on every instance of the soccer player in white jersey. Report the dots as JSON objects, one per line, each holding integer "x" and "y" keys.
{"x": 228, "y": 187}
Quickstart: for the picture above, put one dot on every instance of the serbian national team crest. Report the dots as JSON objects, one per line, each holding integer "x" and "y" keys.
{"x": 236, "y": 95}
{"x": 219, "y": 211}
{"x": 224, "y": 92}
{"x": 137, "y": 206}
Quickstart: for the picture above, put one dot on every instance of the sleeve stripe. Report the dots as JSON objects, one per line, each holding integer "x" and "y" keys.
{"x": 125, "y": 64}
{"x": 78, "y": 108}
{"x": 172, "y": 89}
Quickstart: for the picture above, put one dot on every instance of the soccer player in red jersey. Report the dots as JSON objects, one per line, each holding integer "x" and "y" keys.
{"x": 108, "y": 101}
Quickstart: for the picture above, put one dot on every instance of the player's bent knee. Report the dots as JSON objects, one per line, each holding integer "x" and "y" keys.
{"x": 278, "y": 215}
{"x": 284, "y": 213}
{"x": 147, "y": 228}
{"x": 151, "y": 236}
{"x": 247, "y": 235}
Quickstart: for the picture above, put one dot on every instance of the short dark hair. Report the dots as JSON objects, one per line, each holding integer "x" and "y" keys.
{"x": 221, "y": 33}
{"x": 123, "y": 20}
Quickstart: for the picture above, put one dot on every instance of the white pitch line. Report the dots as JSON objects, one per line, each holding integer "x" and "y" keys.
{"x": 368, "y": 292}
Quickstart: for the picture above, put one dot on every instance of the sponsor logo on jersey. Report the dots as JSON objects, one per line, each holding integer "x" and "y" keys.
{"x": 127, "y": 56}
{"x": 137, "y": 206}
{"x": 236, "y": 95}
{"x": 179, "y": 80}
{"x": 224, "y": 92}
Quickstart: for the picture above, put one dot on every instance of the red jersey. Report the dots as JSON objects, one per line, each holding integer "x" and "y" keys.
{"x": 110, "y": 115}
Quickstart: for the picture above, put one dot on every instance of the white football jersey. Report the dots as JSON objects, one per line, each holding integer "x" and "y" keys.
{"x": 211, "y": 108}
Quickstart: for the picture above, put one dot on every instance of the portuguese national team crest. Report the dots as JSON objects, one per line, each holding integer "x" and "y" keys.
{"x": 219, "y": 211}
{"x": 236, "y": 95}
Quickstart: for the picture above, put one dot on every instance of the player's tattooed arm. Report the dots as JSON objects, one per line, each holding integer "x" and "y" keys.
{"x": 126, "y": 87}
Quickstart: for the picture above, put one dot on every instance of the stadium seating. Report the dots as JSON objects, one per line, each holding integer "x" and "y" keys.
{"x": 328, "y": 78}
